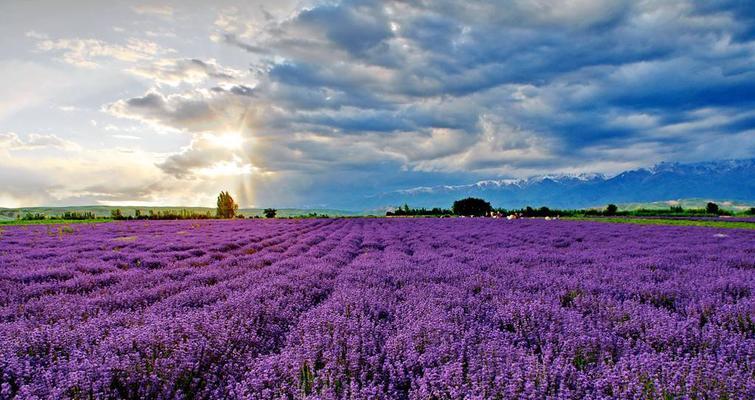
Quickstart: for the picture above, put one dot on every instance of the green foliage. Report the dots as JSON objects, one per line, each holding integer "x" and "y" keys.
{"x": 567, "y": 300}
{"x": 173, "y": 214}
{"x": 269, "y": 212}
{"x": 52, "y": 221}
{"x": 674, "y": 222}
{"x": 78, "y": 215}
{"x": 471, "y": 206}
{"x": 227, "y": 207}
{"x": 407, "y": 211}
{"x": 310, "y": 215}
{"x": 117, "y": 214}
{"x": 68, "y": 216}
{"x": 711, "y": 208}
{"x": 33, "y": 217}
{"x": 306, "y": 379}
{"x": 611, "y": 209}
{"x": 674, "y": 211}
{"x": 529, "y": 212}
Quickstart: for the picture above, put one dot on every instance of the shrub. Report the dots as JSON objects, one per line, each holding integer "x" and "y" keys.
{"x": 34, "y": 217}
{"x": 471, "y": 206}
{"x": 116, "y": 214}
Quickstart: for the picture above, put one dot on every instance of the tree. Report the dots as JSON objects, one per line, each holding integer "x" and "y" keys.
{"x": 227, "y": 208}
{"x": 611, "y": 209}
{"x": 471, "y": 206}
{"x": 269, "y": 212}
{"x": 711, "y": 208}
{"x": 116, "y": 214}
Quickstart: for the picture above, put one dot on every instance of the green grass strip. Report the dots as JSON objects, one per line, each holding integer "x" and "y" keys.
{"x": 669, "y": 222}
{"x": 52, "y": 221}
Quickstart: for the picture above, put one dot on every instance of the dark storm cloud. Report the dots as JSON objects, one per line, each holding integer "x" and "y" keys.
{"x": 652, "y": 57}
{"x": 480, "y": 88}
{"x": 356, "y": 26}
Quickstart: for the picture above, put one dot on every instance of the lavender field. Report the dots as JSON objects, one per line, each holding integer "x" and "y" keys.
{"x": 377, "y": 309}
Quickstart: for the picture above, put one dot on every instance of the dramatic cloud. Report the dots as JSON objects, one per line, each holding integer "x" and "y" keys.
{"x": 198, "y": 111}
{"x": 208, "y": 154}
{"x": 296, "y": 99}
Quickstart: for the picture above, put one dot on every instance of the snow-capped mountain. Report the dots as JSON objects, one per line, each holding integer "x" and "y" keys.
{"x": 730, "y": 179}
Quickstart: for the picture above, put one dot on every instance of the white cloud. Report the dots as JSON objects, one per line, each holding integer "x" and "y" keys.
{"x": 232, "y": 21}
{"x": 195, "y": 111}
{"x": 95, "y": 177}
{"x": 498, "y": 149}
{"x": 36, "y": 35}
{"x": 162, "y": 10}
{"x": 210, "y": 155}
{"x": 192, "y": 71}
{"x": 11, "y": 141}
{"x": 88, "y": 53}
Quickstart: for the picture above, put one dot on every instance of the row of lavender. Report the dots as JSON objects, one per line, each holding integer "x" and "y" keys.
{"x": 693, "y": 218}
{"x": 376, "y": 308}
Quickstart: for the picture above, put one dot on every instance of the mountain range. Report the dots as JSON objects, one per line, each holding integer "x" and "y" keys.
{"x": 716, "y": 180}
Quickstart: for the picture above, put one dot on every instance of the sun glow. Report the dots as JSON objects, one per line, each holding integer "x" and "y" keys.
{"x": 228, "y": 140}
{"x": 227, "y": 168}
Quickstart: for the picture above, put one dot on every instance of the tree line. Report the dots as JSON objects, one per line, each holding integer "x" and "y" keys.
{"x": 68, "y": 215}
{"x": 227, "y": 208}
{"x": 479, "y": 207}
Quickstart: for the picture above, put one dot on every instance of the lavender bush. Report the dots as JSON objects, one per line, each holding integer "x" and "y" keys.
{"x": 377, "y": 309}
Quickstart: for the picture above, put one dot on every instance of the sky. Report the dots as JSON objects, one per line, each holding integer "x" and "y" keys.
{"x": 322, "y": 103}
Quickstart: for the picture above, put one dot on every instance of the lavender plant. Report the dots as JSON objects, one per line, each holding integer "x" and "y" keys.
{"x": 377, "y": 309}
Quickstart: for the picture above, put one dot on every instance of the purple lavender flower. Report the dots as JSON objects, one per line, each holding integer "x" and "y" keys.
{"x": 377, "y": 309}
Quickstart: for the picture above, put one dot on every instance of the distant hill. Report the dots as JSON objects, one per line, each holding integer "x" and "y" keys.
{"x": 104, "y": 211}
{"x": 730, "y": 183}
{"x": 688, "y": 204}
{"x": 732, "y": 180}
